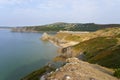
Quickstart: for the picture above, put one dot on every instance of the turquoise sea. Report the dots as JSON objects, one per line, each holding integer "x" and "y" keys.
{"x": 22, "y": 53}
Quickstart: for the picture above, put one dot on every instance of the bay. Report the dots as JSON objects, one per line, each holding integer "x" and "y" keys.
{"x": 22, "y": 53}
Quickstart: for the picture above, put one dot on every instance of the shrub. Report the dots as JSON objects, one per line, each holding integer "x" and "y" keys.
{"x": 117, "y": 73}
{"x": 38, "y": 73}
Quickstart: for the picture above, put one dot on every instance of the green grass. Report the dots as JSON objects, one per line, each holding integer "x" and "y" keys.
{"x": 101, "y": 50}
{"x": 93, "y": 46}
{"x": 110, "y": 58}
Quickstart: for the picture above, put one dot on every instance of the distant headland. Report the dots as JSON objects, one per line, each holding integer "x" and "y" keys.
{"x": 64, "y": 27}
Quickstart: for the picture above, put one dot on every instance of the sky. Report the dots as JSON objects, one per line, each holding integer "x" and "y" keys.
{"x": 39, "y": 12}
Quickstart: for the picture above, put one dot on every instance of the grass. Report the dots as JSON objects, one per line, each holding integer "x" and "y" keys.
{"x": 93, "y": 46}
{"x": 72, "y": 37}
{"x": 110, "y": 58}
{"x": 100, "y": 50}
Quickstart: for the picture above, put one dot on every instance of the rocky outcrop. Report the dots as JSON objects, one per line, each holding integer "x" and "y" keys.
{"x": 76, "y": 69}
{"x": 45, "y": 36}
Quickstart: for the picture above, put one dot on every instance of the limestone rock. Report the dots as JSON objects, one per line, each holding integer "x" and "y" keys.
{"x": 45, "y": 36}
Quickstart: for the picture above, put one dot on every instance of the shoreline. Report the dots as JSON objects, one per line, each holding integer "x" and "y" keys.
{"x": 54, "y": 43}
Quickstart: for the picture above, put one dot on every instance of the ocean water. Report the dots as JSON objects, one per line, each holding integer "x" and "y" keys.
{"x": 22, "y": 53}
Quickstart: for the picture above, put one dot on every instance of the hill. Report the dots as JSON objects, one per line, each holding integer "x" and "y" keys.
{"x": 101, "y": 47}
{"x": 65, "y": 27}
{"x": 5, "y": 27}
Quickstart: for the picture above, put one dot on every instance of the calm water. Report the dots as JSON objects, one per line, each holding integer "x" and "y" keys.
{"x": 22, "y": 53}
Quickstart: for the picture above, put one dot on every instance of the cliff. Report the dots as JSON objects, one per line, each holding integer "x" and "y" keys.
{"x": 101, "y": 47}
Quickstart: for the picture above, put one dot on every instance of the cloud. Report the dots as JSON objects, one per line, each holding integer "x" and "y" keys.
{"x": 98, "y": 11}
{"x": 52, "y": 4}
{"x": 13, "y": 2}
{"x": 103, "y": 11}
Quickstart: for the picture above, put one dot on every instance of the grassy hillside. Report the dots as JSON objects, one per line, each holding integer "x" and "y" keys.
{"x": 68, "y": 26}
{"x": 104, "y": 49}
{"x": 101, "y": 47}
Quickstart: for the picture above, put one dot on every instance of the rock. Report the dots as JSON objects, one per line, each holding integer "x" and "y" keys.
{"x": 66, "y": 77}
{"x": 57, "y": 69}
{"x": 72, "y": 60}
{"x": 43, "y": 77}
{"x": 45, "y": 36}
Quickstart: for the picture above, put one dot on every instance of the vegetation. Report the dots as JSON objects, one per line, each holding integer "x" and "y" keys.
{"x": 72, "y": 37}
{"x": 100, "y": 47}
{"x": 108, "y": 58}
{"x": 36, "y": 74}
{"x": 95, "y": 44}
{"x": 117, "y": 73}
{"x": 101, "y": 50}
{"x": 68, "y": 26}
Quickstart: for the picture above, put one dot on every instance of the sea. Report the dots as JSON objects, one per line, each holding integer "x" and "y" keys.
{"x": 23, "y": 53}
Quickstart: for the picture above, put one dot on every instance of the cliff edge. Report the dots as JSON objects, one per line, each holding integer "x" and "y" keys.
{"x": 76, "y": 69}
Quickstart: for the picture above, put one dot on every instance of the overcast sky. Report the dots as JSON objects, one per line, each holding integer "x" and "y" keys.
{"x": 38, "y": 12}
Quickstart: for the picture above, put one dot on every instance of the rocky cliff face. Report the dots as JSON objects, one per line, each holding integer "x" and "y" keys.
{"x": 76, "y": 69}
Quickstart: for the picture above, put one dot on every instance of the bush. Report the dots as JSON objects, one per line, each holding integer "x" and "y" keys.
{"x": 117, "y": 73}
{"x": 38, "y": 73}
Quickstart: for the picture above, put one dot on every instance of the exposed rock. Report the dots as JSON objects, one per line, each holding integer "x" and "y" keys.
{"x": 43, "y": 77}
{"x": 73, "y": 60}
{"x": 45, "y": 36}
{"x": 76, "y": 69}
{"x": 67, "y": 77}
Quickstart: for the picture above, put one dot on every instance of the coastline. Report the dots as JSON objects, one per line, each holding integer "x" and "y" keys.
{"x": 72, "y": 52}
{"x": 54, "y": 43}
